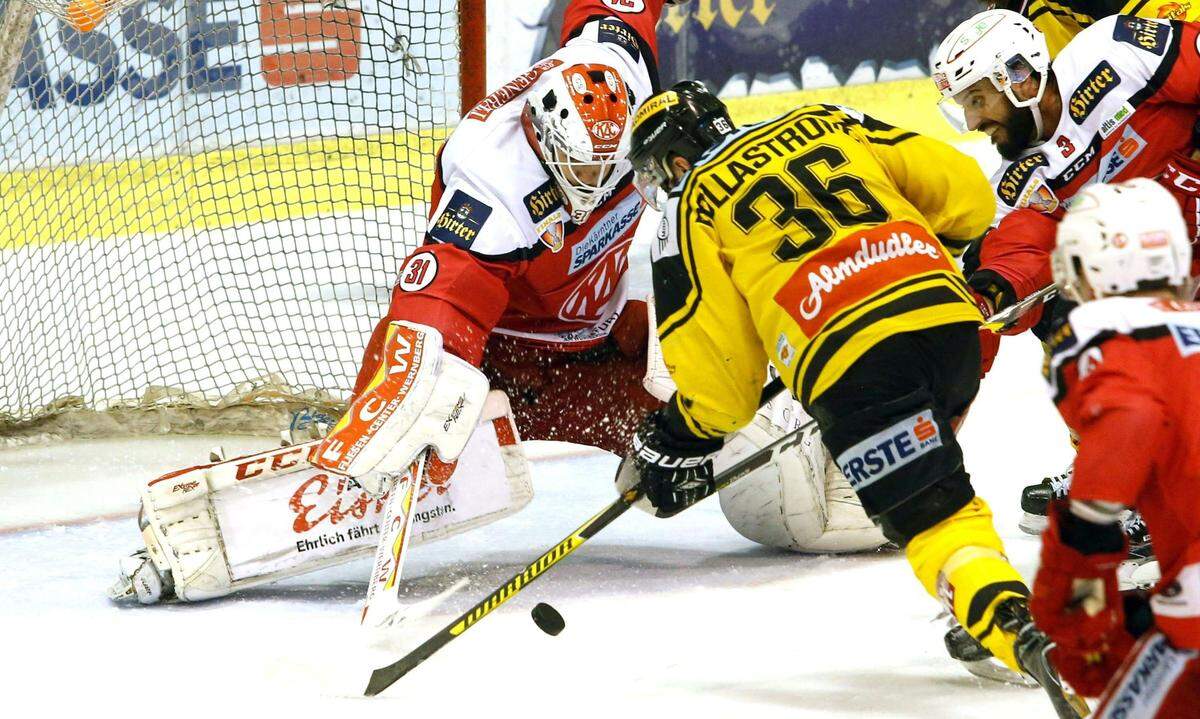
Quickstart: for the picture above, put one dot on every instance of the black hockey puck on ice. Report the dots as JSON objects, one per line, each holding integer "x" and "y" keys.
{"x": 548, "y": 619}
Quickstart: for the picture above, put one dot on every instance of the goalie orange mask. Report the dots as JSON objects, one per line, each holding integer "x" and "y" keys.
{"x": 577, "y": 119}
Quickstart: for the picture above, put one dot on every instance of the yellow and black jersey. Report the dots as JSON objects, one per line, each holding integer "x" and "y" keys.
{"x": 1061, "y": 20}
{"x": 804, "y": 241}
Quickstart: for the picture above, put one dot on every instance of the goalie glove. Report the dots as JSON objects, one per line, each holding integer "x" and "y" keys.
{"x": 672, "y": 466}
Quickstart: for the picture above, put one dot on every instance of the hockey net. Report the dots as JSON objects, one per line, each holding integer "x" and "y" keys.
{"x": 204, "y": 203}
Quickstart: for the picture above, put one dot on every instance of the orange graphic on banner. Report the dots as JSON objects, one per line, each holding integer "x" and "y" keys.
{"x": 305, "y": 44}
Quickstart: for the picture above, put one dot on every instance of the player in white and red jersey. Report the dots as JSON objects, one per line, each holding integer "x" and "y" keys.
{"x": 1125, "y": 373}
{"x": 524, "y": 270}
{"x": 1120, "y": 101}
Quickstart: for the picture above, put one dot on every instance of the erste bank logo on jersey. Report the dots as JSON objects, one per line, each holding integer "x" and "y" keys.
{"x": 890, "y": 449}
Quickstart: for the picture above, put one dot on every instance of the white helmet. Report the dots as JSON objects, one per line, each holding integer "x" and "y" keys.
{"x": 1119, "y": 238}
{"x": 1000, "y": 45}
{"x": 578, "y": 118}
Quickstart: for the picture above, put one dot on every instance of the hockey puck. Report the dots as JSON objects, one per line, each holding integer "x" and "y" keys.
{"x": 548, "y": 619}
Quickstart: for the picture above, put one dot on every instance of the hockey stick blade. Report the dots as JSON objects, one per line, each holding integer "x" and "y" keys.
{"x": 386, "y": 676}
{"x": 1009, "y": 315}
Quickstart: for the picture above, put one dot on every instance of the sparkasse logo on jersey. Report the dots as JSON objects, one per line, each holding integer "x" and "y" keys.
{"x": 884, "y": 452}
{"x": 601, "y": 236}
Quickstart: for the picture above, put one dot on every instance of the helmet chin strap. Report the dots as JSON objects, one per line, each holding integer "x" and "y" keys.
{"x": 1039, "y": 128}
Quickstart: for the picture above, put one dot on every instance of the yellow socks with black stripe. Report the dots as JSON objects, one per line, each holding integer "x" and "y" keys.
{"x": 961, "y": 562}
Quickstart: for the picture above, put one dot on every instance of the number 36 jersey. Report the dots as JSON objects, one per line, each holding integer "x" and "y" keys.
{"x": 804, "y": 241}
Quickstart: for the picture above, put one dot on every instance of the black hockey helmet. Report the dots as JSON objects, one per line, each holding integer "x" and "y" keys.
{"x": 685, "y": 121}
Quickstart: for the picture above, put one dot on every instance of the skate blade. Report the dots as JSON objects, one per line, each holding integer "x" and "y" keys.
{"x": 1033, "y": 524}
{"x": 995, "y": 670}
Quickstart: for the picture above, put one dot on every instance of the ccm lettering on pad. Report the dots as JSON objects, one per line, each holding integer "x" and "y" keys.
{"x": 886, "y": 451}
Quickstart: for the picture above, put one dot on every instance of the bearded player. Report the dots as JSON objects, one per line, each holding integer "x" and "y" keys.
{"x": 1119, "y": 101}
{"x": 1125, "y": 374}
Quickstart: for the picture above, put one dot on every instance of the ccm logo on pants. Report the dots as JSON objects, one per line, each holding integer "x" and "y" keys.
{"x": 882, "y": 453}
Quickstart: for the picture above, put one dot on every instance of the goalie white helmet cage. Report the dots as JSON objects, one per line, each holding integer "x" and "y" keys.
{"x": 1000, "y": 45}
{"x": 1121, "y": 238}
{"x": 579, "y": 119}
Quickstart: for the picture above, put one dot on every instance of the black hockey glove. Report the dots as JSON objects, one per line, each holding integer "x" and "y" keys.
{"x": 673, "y": 466}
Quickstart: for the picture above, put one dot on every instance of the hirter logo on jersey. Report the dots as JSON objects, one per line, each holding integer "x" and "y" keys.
{"x": 545, "y": 207}
{"x": 1149, "y": 35}
{"x": 461, "y": 220}
{"x": 1187, "y": 339}
{"x": 1016, "y": 176}
{"x": 1092, "y": 90}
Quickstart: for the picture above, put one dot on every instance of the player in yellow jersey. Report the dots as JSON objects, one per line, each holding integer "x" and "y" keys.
{"x": 823, "y": 242}
{"x": 1061, "y": 20}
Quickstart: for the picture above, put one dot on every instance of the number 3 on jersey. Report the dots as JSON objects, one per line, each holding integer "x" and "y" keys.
{"x": 418, "y": 272}
{"x": 830, "y": 195}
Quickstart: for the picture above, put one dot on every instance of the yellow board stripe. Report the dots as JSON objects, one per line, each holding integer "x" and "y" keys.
{"x": 219, "y": 189}
{"x": 907, "y": 104}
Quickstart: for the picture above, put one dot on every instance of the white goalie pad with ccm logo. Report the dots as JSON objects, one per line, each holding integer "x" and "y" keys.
{"x": 263, "y": 517}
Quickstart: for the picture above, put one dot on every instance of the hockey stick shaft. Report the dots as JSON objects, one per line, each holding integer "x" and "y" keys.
{"x": 384, "y": 677}
{"x": 1007, "y": 316}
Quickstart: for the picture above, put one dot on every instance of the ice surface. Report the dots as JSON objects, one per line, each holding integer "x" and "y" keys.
{"x": 679, "y": 618}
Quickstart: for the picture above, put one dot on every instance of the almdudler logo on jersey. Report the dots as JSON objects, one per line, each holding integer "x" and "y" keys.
{"x": 838, "y": 277}
{"x": 882, "y": 453}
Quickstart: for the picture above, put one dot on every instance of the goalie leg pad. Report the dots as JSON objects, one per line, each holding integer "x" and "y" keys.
{"x": 802, "y": 502}
{"x": 219, "y": 528}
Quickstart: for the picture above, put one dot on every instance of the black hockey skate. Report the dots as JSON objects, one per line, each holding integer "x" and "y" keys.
{"x": 1140, "y": 568}
{"x": 1036, "y": 498}
{"x": 978, "y": 660}
{"x": 1032, "y": 650}
{"x": 1032, "y": 647}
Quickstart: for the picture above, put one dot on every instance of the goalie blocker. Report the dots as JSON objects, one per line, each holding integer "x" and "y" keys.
{"x": 214, "y": 529}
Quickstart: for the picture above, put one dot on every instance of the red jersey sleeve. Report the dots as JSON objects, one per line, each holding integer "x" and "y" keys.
{"x": 1118, "y": 421}
{"x": 1179, "y": 73}
{"x": 1014, "y": 262}
{"x": 640, "y": 15}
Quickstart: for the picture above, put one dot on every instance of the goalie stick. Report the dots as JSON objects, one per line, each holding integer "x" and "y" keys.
{"x": 383, "y": 607}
